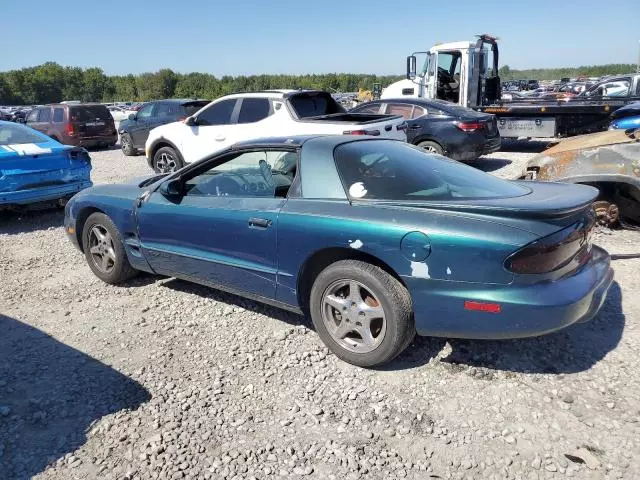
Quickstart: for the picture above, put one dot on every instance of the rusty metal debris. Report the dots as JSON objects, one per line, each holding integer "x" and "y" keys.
{"x": 607, "y": 160}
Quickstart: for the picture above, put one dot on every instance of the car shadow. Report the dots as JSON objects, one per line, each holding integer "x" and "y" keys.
{"x": 573, "y": 349}
{"x": 50, "y": 395}
{"x": 526, "y": 146}
{"x": 487, "y": 164}
{"x": 13, "y": 222}
{"x": 281, "y": 315}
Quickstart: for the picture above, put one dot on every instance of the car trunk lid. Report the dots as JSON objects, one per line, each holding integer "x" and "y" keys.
{"x": 25, "y": 166}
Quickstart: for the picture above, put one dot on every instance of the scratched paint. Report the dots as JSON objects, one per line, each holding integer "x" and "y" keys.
{"x": 419, "y": 270}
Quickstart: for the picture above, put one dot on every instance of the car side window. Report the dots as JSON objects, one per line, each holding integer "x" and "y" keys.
{"x": 58, "y": 115}
{"x": 44, "y": 115}
{"x": 373, "y": 108}
{"x": 400, "y": 109}
{"x": 253, "y": 110}
{"x": 218, "y": 113}
{"x": 146, "y": 111}
{"x": 162, "y": 110}
{"x": 33, "y": 116}
{"x": 418, "y": 112}
{"x": 249, "y": 174}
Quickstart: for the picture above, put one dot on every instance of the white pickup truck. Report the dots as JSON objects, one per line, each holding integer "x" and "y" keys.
{"x": 248, "y": 116}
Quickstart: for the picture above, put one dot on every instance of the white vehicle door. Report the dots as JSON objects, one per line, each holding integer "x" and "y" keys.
{"x": 213, "y": 131}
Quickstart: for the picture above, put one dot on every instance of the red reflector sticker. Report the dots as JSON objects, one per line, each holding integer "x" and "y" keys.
{"x": 482, "y": 307}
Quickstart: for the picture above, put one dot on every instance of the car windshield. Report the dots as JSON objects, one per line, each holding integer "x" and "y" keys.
{"x": 86, "y": 113}
{"x": 388, "y": 170}
{"x": 12, "y": 134}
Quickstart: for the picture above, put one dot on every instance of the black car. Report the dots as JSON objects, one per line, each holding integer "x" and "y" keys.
{"x": 134, "y": 132}
{"x": 442, "y": 127}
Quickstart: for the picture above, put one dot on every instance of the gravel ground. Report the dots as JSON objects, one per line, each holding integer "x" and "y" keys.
{"x": 164, "y": 379}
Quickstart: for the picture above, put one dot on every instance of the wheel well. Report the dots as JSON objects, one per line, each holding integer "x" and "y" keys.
{"x": 81, "y": 220}
{"x": 429, "y": 139}
{"x": 625, "y": 195}
{"x": 163, "y": 143}
{"x": 323, "y": 258}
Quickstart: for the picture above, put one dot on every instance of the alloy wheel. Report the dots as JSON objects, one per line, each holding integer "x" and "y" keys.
{"x": 166, "y": 163}
{"x": 101, "y": 248}
{"x": 353, "y": 316}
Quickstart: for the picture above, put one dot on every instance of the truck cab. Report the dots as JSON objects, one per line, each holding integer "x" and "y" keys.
{"x": 465, "y": 73}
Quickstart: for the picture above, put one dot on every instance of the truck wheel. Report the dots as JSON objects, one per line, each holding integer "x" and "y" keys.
{"x": 363, "y": 314}
{"x": 431, "y": 147}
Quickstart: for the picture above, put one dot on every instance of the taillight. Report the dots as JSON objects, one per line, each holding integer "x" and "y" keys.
{"x": 469, "y": 126}
{"x": 375, "y": 133}
{"x": 69, "y": 130}
{"x": 555, "y": 251}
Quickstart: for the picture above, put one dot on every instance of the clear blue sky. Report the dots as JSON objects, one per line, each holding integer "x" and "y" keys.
{"x": 275, "y": 36}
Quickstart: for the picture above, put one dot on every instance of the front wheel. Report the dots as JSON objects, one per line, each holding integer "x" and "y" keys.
{"x": 361, "y": 313}
{"x": 166, "y": 160}
{"x": 104, "y": 250}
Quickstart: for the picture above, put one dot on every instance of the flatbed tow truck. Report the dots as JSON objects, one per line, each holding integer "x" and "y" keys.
{"x": 466, "y": 73}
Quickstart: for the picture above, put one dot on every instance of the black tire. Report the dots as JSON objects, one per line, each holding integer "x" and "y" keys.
{"x": 392, "y": 296}
{"x": 126, "y": 143}
{"x": 120, "y": 269}
{"x": 166, "y": 160}
{"x": 431, "y": 147}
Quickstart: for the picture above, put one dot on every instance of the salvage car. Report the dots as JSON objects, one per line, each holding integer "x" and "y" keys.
{"x": 627, "y": 117}
{"x": 245, "y": 116}
{"x": 609, "y": 161}
{"x": 374, "y": 238}
{"x": 442, "y": 127}
{"x": 135, "y": 130}
{"x": 35, "y": 169}
{"x": 84, "y": 125}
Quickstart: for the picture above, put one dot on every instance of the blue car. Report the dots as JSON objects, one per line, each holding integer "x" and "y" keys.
{"x": 35, "y": 168}
{"x": 374, "y": 239}
{"x": 627, "y": 117}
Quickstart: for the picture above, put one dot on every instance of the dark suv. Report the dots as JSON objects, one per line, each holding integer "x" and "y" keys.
{"x": 82, "y": 125}
{"x": 134, "y": 132}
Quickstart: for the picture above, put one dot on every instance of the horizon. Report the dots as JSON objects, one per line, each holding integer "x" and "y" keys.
{"x": 276, "y": 39}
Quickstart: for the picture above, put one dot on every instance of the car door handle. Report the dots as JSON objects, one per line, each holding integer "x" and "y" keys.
{"x": 414, "y": 126}
{"x": 259, "y": 222}
{"x": 219, "y": 138}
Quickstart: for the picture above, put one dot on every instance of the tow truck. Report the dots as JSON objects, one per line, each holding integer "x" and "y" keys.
{"x": 467, "y": 73}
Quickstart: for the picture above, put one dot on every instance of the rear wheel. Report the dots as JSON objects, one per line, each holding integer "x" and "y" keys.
{"x": 104, "y": 250}
{"x": 166, "y": 160}
{"x": 126, "y": 143}
{"x": 361, "y": 313}
{"x": 431, "y": 147}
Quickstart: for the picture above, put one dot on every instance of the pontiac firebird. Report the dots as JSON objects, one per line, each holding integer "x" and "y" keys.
{"x": 374, "y": 239}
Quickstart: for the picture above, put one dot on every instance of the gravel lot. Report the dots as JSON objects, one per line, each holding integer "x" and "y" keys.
{"x": 164, "y": 379}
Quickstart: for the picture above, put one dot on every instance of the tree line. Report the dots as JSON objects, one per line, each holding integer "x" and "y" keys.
{"x": 507, "y": 73}
{"x": 50, "y": 82}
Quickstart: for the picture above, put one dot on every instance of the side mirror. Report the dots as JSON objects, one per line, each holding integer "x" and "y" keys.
{"x": 190, "y": 121}
{"x": 171, "y": 188}
{"x": 132, "y": 116}
{"x": 411, "y": 67}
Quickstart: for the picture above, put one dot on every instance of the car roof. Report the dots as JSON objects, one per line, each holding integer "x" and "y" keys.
{"x": 273, "y": 94}
{"x": 329, "y": 141}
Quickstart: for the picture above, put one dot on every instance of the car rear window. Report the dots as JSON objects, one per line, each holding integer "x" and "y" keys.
{"x": 86, "y": 113}
{"x": 12, "y": 134}
{"x": 192, "y": 107}
{"x": 388, "y": 170}
{"x": 314, "y": 104}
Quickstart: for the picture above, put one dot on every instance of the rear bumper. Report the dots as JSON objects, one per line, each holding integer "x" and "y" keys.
{"x": 92, "y": 141}
{"x": 43, "y": 194}
{"x": 468, "y": 152}
{"x": 526, "y": 310}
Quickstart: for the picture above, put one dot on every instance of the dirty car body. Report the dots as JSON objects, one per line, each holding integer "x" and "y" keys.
{"x": 480, "y": 257}
{"x": 609, "y": 161}
{"x": 35, "y": 168}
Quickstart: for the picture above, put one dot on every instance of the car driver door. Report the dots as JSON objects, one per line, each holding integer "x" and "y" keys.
{"x": 217, "y": 224}
{"x": 210, "y": 131}
{"x": 139, "y": 126}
